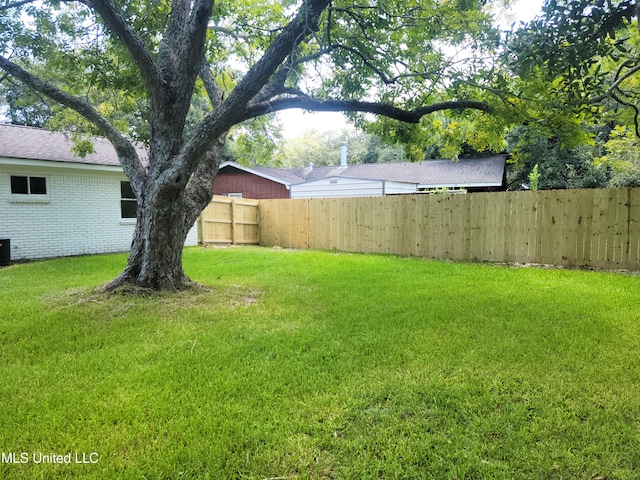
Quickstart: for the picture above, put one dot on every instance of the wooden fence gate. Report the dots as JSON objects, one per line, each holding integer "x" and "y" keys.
{"x": 229, "y": 220}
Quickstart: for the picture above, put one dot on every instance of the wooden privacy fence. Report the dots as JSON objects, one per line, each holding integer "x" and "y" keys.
{"x": 229, "y": 220}
{"x": 599, "y": 228}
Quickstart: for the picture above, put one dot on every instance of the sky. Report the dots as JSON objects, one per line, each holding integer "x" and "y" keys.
{"x": 296, "y": 121}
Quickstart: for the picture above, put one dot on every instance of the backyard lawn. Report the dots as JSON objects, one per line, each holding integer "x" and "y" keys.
{"x": 307, "y": 364}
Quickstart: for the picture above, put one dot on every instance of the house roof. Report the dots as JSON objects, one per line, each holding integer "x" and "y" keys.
{"x": 476, "y": 172}
{"x": 30, "y": 143}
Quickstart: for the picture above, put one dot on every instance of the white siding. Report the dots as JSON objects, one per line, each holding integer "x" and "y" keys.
{"x": 80, "y": 216}
{"x": 337, "y": 187}
{"x": 350, "y": 187}
{"x": 393, "y": 187}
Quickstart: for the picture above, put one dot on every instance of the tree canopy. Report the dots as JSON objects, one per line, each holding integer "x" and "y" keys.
{"x": 390, "y": 58}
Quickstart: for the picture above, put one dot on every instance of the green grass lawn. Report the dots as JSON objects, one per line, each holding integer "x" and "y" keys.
{"x": 306, "y": 364}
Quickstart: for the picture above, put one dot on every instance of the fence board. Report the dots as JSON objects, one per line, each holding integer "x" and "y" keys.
{"x": 633, "y": 228}
{"x": 562, "y": 242}
{"x": 499, "y": 232}
{"x": 580, "y": 201}
{"x": 523, "y": 212}
{"x": 455, "y": 238}
{"x": 488, "y": 227}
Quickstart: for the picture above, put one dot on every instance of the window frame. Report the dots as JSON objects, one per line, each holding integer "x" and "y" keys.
{"x": 127, "y": 201}
{"x": 29, "y": 196}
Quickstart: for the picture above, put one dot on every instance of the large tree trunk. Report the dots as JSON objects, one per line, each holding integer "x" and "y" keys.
{"x": 165, "y": 215}
{"x": 155, "y": 260}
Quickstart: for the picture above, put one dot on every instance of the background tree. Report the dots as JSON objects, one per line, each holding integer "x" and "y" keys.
{"x": 258, "y": 141}
{"x": 559, "y": 166}
{"x": 575, "y": 80}
{"x": 324, "y": 149}
{"x": 579, "y": 56}
{"x": 23, "y": 106}
{"x": 110, "y": 60}
{"x": 622, "y": 158}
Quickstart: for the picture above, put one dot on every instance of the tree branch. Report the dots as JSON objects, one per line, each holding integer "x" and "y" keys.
{"x": 199, "y": 189}
{"x": 180, "y": 53}
{"x": 275, "y": 86}
{"x": 183, "y": 41}
{"x": 227, "y": 31}
{"x": 619, "y": 79}
{"x": 408, "y": 116}
{"x": 304, "y": 24}
{"x": 636, "y": 116}
{"x": 115, "y": 20}
{"x": 231, "y": 111}
{"x": 125, "y": 150}
{"x": 210, "y": 85}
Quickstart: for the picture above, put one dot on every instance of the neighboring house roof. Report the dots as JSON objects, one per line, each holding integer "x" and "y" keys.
{"x": 472, "y": 172}
{"x": 476, "y": 172}
{"x": 274, "y": 174}
{"x": 281, "y": 175}
{"x": 30, "y": 143}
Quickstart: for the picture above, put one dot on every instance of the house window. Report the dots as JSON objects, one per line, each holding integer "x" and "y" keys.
{"x": 23, "y": 185}
{"x": 128, "y": 203}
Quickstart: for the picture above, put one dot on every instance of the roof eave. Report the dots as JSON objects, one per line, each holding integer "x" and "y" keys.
{"x": 58, "y": 164}
{"x": 255, "y": 172}
{"x": 460, "y": 185}
{"x": 364, "y": 179}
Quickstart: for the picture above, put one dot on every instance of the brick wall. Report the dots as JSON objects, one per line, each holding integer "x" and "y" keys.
{"x": 80, "y": 216}
{"x": 233, "y": 180}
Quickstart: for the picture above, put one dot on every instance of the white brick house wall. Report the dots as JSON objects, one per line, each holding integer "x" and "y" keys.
{"x": 79, "y": 215}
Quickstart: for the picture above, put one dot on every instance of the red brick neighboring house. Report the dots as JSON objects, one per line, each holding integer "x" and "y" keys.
{"x": 257, "y": 182}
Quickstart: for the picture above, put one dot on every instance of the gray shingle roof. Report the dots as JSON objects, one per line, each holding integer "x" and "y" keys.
{"x": 38, "y": 144}
{"x": 287, "y": 176}
{"x": 487, "y": 171}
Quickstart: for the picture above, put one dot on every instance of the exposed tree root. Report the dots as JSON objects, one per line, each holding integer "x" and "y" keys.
{"x": 127, "y": 285}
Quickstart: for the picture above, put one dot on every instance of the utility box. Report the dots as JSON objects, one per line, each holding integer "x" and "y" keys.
{"x": 5, "y": 252}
